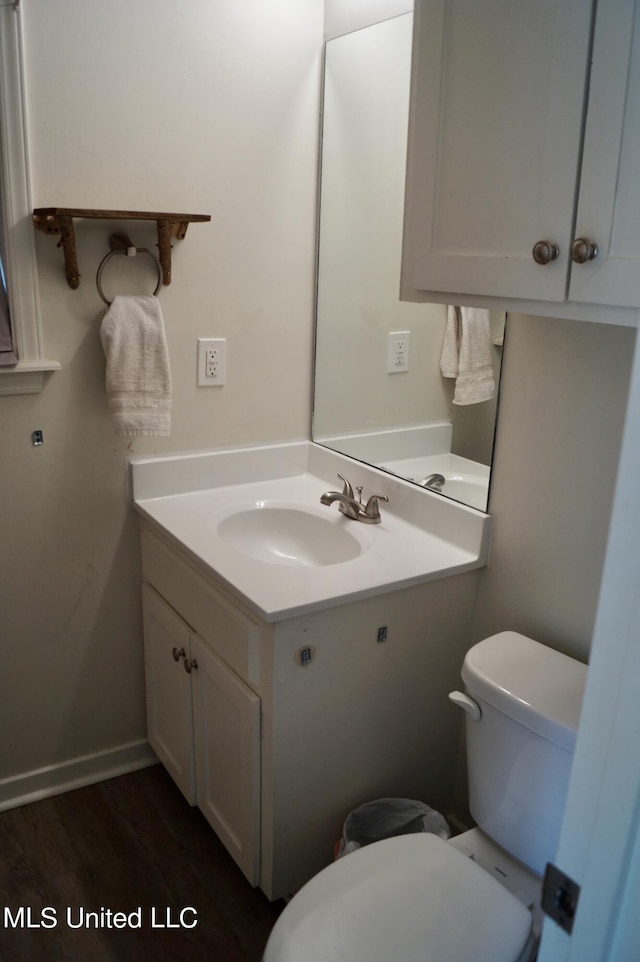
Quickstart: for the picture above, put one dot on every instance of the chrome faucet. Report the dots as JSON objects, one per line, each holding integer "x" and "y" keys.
{"x": 351, "y": 507}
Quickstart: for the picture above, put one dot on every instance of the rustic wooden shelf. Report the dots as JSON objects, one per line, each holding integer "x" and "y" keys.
{"x": 59, "y": 220}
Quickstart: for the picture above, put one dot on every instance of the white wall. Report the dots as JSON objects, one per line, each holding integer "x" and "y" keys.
{"x": 199, "y": 107}
{"x": 562, "y": 404}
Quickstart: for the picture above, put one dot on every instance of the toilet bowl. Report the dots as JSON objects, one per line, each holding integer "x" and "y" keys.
{"x": 420, "y": 898}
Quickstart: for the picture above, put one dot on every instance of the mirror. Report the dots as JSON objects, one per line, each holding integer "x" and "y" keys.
{"x": 404, "y": 421}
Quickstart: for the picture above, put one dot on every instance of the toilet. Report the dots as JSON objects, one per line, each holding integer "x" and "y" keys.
{"x": 420, "y": 898}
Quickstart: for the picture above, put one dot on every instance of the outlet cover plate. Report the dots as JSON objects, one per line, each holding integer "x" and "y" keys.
{"x": 212, "y": 361}
{"x": 398, "y": 352}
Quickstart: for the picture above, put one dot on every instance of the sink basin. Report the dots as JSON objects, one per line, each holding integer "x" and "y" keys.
{"x": 291, "y": 535}
{"x": 252, "y": 520}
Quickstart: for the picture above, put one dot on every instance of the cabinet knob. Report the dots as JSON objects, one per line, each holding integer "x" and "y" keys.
{"x": 545, "y": 251}
{"x": 583, "y": 250}
{"x": 188, "y": 665}
{"x": 178, "y": 653}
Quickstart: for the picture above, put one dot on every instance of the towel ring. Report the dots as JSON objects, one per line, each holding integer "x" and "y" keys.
{"x": 127, "y": 252}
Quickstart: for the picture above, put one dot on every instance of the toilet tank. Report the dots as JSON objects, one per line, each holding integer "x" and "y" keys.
{"x": 519, "y": 751}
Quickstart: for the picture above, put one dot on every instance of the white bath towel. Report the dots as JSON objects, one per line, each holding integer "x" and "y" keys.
{"x": 138, "y": 377}
{"x": 466, "y": 355}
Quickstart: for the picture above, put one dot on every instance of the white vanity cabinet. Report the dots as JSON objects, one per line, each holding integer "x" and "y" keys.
{"x": 523, "y": 144}
{"x": 281, "y": 728}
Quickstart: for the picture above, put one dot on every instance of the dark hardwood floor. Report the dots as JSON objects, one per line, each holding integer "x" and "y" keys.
{"x": 131, "y": 843}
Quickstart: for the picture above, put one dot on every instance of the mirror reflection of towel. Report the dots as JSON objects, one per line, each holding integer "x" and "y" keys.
{"x": 466, "y": 354}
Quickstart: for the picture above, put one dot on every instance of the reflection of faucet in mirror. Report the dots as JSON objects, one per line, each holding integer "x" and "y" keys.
{"x": 399, "y": 417}
{"x": 351, "y": 507}
{"x": 434, "y": 482}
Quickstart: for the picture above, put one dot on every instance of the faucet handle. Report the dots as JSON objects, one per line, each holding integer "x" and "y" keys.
{"x": 348, "y": 490}
{"x": 371, "y": 509}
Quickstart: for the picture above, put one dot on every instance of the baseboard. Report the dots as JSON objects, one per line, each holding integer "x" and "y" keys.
{"x": 75, "y": 773}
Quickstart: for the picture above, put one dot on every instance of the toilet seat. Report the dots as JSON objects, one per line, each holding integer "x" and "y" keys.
{"x": 414, "y": 898}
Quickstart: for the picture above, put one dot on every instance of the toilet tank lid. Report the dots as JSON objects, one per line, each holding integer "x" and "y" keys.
{"x": 535, "y": 685}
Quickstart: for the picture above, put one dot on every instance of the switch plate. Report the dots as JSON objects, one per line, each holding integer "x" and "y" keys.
{"x": 398, "y": 352}
{"x": 212, "y": 361}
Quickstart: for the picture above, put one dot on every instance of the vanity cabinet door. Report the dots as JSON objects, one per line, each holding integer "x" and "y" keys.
{"x": 226, "y": 718}
{"x": 497, "y": 106}
{"x": 168, "y": 691}
{"x": 609, "y": 200}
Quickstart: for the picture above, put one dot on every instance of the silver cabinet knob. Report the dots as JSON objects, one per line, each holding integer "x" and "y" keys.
{"x": 583, "y": 250}
{"x": 178, "y": 653}
{"x": 545, "y": 251}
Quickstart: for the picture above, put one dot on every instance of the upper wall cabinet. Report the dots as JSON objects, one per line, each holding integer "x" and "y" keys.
{"x": 523, "y": 187}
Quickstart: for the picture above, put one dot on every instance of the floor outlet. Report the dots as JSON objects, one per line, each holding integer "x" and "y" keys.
{"x": 398, "y": 352}
{"x": 212, "y": 361}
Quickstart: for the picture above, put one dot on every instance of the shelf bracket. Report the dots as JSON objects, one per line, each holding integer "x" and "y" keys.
{"x": 68, "y": 242}
{"x": 61, "y": 224}
{"x": 167, "y": 229}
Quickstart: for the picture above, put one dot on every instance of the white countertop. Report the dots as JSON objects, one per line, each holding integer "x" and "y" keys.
{"x": 403, "y": 550}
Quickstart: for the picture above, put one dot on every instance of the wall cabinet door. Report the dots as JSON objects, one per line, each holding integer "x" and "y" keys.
{"x": 168, "y": 691}
{"x": 497, "y": 106}
{"x": 609, "y": 199}
{"x": 226, "y": 718}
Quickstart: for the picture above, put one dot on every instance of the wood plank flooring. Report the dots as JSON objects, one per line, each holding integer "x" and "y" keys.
{"x": 131, "y": 843}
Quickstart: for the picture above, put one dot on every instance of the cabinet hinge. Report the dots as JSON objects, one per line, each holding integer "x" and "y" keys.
{"x": 559, "y": 897}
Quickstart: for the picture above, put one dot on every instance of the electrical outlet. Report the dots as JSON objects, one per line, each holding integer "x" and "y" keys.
{"x": 212, "y": 358}
{"x": 398, "y": 352}
{"x": 212, "y": 362}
